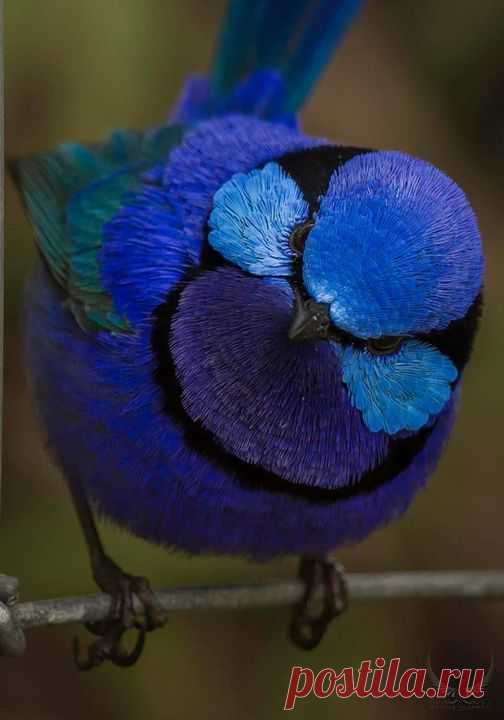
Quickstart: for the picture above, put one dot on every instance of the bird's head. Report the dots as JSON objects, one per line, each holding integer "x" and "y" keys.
{"x": 338, "y": 316}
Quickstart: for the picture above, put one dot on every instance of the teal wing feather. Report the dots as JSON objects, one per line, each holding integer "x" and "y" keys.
{"x": 70, "y": 194}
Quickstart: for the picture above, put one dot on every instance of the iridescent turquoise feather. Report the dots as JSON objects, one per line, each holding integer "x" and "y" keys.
{"x": 71, "y": 194}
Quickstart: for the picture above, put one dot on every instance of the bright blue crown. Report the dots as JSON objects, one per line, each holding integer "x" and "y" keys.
{"x": 395, "y": 249}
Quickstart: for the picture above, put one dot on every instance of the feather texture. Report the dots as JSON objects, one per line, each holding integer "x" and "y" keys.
{"x": 395, "y": 248}
{"x": 70, "y": 195}
{"x": 253, "y": 217}
{"x": 259, "y": 393}
{"x": 270, "y": 55}
{"x": 158, "y": 485}
{"x": 294, "y": 38}
{"x": 402, "y": 391}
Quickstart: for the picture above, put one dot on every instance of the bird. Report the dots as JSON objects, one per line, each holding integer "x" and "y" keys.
{"x": 243, "y": 339}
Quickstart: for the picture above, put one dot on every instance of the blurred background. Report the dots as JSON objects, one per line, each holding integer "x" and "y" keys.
{"x": 426, "y": 78}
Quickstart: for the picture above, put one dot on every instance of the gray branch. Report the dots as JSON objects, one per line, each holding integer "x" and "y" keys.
{"x": 380, "y": 586}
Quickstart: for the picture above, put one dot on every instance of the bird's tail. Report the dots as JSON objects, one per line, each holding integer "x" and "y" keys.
{"x": 269, "y": 57}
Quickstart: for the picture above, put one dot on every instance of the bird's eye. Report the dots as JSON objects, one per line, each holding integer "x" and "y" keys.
{"x": 298, "y": 236}
{"x": 386, "y": 345}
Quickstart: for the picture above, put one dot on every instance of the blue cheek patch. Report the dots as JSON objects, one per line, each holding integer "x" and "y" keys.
{"x": 400, "y": 391}
{"x": 252, "y": 218}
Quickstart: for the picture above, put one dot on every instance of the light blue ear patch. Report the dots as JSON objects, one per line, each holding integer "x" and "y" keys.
{"x": 400, "y": 391}
{"x": 252, "y": 218}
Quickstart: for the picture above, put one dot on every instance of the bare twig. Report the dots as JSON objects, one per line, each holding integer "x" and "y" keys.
{"x": 486, "y": 584}
{"x": 380, "y": 586}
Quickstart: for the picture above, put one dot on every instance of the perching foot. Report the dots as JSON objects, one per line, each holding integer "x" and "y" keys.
{"x": 122, "y": 617}
{"x": 311, "y": 615}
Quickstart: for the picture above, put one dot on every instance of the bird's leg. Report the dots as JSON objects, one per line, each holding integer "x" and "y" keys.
{"x": 121, "y": 587}
{"x": 312, "y": 615}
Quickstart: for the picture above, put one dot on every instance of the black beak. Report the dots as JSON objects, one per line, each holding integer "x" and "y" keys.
{"x": 311, "y": 320}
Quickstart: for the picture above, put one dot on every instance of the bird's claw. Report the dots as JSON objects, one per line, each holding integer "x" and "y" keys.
{"x": 122, "y": 617}
{"x": 307, "y": 627}
{"x": 109, "y": 647}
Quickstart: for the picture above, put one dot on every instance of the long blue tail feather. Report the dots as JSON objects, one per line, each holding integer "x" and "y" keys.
{"x": 294, "y": 38}
{"x": 327, "y": 27}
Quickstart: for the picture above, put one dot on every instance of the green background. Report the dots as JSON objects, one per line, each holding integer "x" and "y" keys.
{"x": 426, "y": 78}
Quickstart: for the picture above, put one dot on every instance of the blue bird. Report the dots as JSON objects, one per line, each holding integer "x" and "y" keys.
{"x": 243, "y": 339}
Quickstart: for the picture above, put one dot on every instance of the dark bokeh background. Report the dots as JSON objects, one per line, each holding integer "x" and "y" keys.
{"x": 427, "y": 78}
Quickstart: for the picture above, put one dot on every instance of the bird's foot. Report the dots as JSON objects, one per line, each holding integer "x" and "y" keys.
{"x": 312, "y": 615}
{"x": 122, "y": 617}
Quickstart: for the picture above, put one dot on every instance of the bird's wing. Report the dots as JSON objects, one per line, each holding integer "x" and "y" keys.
{"x": 270, "y": 55}
{"x": 70, "y": 194}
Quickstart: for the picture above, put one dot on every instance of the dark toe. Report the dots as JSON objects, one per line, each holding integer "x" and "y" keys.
{"x": 312, "y": 615}
{"x": 122, "y": 617}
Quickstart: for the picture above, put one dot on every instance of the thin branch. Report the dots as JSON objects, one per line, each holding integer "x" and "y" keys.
{"x": 448, "y": 584}
{"x": 487, "y": 585}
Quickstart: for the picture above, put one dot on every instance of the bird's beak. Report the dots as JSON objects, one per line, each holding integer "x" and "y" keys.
{"x": 311, "y": 320}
